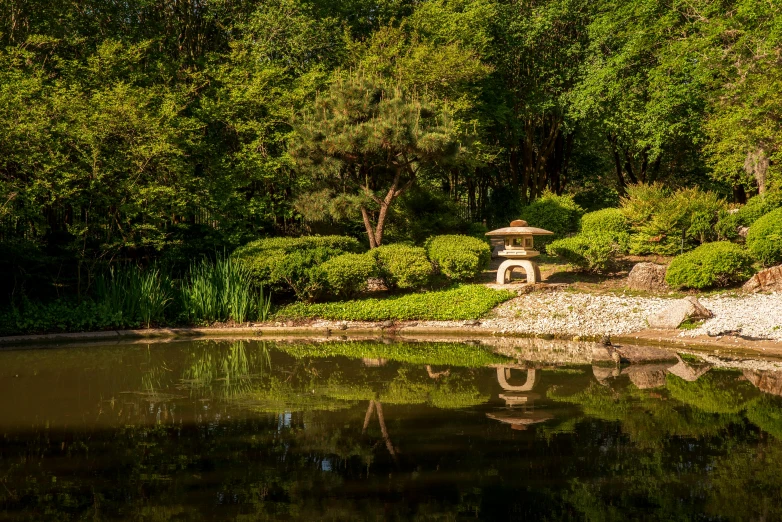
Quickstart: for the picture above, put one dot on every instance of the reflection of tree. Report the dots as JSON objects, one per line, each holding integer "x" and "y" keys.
{"x": 715, "y": 392}
{"x": 766, "y": 414}
{"x": 644, "y": 415}
{"x": 747, "y": 484}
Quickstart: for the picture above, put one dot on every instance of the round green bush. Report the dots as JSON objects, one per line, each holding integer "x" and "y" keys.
{"x": 286, "y": 264}
{"x": 594, "y": 252}
{"x": 347, "y": 274}
{"x": 757, "y": 207}
{"x": 559, "y": 214}
{"x": 710, "y": 265}
{"x": 403, "y": 266}
{"x": 764, "y": 239}
{"x": 459, "y": 258}
{"x": 609, "y": 221}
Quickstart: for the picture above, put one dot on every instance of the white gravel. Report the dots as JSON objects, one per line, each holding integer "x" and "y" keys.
{"x": 569, "y": 313}
{"x": 755, "y": 315}
{"x": 572, "y": 313}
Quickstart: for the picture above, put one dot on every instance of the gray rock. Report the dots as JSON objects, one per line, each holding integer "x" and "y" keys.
{"x": 647, "y": 277}
{"x": 768, "y": 280}
{"x": 387, "y": 324}
{"x": 472, "y": 322}
{"x": 679, "y": 311}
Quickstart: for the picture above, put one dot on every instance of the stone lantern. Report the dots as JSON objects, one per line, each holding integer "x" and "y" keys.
{"x": 518, "y": 249}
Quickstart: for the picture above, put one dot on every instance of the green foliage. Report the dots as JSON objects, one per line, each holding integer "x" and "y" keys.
{"x": 418, "y": 353}
{"x": 292, "y": 263}
{"x": 716, "y": 392}
{"x": 596, "y": 252}
{"x": 460, "y": 302}
{"x": 221, "y": 291}
{"x": 608, "y": 221}
{"x": 403, "y": 266}
{"x": 559, "y": 214}
{"x": 665, "y": 222}
{"x": 745, "y": 216}
{"x": 710, "y": 265}
{"x": 367, "y": 137}
{"x": 421, "y": 213}
{"x": 766, "y": 414}
{"x": 459, "y": 258}
{"x": 764, "y": 240}
{"x": 347, "y": 274}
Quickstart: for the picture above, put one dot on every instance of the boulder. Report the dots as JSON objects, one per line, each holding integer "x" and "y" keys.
{"x": 647, "y": 376}
{"x": 768, "y": 280}
{"x": 765, "y": 380}
{"x": 677, "y": 312}
{"x": 647, "y": 277}
{"x": 687, "y": 371}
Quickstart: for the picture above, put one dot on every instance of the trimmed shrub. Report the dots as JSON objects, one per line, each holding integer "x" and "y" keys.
{"x": 292, "y": 263}
{"x": 403, "y": 266}
{"x": 590, "y": 252}
{"x": 459, "y": 258}
{"x": 710, "y": 265}
{"x": 764, "y": 239}
{"x": 609, "y": 221}
{"x": 347, "y": 274}
{"x": 664, "y": 223}
{"x": 745, "y": 216}
{"x": 559, "y": 214}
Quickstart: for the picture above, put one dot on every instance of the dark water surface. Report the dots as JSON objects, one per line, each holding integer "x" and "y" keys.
{"x": 372, "y": 431}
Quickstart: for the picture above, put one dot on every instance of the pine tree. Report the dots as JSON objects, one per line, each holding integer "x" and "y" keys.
{"x": 366, "y": 141}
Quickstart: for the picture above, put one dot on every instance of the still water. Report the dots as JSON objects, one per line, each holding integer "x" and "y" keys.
{"x": 249, "y": 430}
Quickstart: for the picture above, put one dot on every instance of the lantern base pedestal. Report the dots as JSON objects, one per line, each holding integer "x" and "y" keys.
{"x": 529, "y": 267}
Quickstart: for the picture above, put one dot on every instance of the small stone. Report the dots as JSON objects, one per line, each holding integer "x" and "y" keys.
{"x": 387, "y": 324}
{"x": 342, "y": 326}
{"x": 472, "y": 322}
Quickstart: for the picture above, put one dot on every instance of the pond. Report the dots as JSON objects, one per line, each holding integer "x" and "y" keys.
{"x": 250, "y": 430}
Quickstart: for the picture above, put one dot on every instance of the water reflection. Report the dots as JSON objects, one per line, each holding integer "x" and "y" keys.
{"x": 357, "y": 431}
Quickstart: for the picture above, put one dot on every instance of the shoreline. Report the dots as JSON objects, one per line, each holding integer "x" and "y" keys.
{"x": 402, "y": 331}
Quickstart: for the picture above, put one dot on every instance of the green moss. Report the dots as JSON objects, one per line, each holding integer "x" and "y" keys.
{"x": 456, "y": 303}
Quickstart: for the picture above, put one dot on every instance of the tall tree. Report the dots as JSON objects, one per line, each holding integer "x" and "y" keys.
{"x": 366, "y": 139}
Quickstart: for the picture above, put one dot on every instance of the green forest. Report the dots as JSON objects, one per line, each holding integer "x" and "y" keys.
{"x": 154, "y": 133}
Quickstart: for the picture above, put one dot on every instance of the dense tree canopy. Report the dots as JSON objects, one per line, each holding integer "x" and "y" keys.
{"x": 154, "y": 129}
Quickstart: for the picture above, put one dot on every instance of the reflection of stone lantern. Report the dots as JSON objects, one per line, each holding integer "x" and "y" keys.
{"x": 518, "y": 249}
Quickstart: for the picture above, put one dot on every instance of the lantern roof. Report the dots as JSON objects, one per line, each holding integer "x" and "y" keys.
{"x": 519, "y": 228}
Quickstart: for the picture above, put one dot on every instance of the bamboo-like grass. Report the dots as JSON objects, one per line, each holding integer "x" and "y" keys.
{"x": 222, "y": 291}
{"x": 210, "y": 291}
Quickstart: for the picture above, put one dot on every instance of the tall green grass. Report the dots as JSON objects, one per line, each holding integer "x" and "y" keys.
{"x": 222, "y": 291}
{"x": 131, "y": 296}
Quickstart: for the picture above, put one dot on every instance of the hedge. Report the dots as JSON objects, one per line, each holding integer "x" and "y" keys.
{"x": 459, "y": 258}
{"x": 710, "y": 265}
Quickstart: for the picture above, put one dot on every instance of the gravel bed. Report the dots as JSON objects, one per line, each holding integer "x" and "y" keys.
{"x": 571, "y": 313}
{"x": 582, "y": 314}
{"x": 756, "y": 315}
